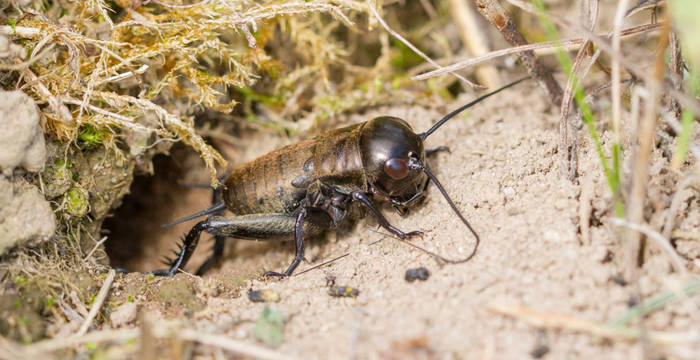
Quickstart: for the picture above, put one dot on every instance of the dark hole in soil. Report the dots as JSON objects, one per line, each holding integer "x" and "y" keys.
{"x": 136, "y": 239}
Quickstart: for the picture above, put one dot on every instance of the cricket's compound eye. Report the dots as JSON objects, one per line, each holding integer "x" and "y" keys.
{"x": 396, "y": 168}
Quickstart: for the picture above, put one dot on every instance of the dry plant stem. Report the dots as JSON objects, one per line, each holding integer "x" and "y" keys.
{"x": 124, "y": 121}
{"x": 675, "y": 66}
{"x": 62, "y": 113}
{"x": 168, "y": 331}
{"x": 585, "y": 209}
{"x": 690, "y": 235}
{"x": 412, "y": 47}
{"x": 615, "y": 72}
{"x": 475, "y": 41}
{"x": 567, "y": 44}
{"x": 661, "y": 242}
{"x": 499, "y": 17}
{"x": 568, "y": 139}
{"x": 640, "y": 176}
{"x": 680, "y": 196}
{"x": 631, "y": 67}
{"x": 557, "y": 321}
{"x": 97, "y": 304}
{"x": 225, "y": 342}
{"x": 21, "y": 31}
{"x": 142, "y": 69}
{"x": 39, "y": 348}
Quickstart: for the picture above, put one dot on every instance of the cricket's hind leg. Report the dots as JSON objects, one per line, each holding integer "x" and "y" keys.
{"x": 255, "y": 226}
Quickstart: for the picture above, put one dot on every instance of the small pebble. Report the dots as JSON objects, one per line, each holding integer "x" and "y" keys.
{"x": 508, "y": 191}
{"x": 123, "y": 314}
{"x": 343, "y": 291}
{"x": 539, "y": 351}
{"x": 420, "y": 273}
{"x": 265, "y": 295}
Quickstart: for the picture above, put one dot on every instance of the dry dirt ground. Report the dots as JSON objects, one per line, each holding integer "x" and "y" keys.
{"x": 503, "y": 173}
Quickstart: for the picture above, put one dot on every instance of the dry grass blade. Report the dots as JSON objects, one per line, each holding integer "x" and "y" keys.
{"x": 414, "y": 48}
{"x": 640, "y": 176}
{"x": 565, "y": 322}
{"x": 633, "y": 31}
{"x": 162, "y": 331}
{"x": 681, "y": 195}
{"x": 568, "y": 139}
{"x": 97, "y": 304}
{"x": 659, "y": 240}
{"x": 227, "y": 343}
{"x": 642, "y": 5}
{"x": 615, "y": 93}
{"x": 632, "y": 67}
{"x": 61, "y": 111}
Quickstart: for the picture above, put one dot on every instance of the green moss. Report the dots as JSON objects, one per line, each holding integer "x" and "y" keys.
{"x": 90, "y": 136}
{"x": 77, "y": 202}
{"x": 251, "y": 95}
{"x": 406, "y": 58}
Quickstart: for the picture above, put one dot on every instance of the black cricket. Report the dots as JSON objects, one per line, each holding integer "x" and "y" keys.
{"x": 302, "y": 189}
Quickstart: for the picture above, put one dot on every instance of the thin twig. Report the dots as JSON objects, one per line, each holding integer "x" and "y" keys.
{"x": 642, "y": 156}
{"x": 124, "y": 121}
{"x": 569, "y": 43}
{"x": 679, "y": 197}
{"x": 62, "y": 113}
{"x": 585, "y": 209}
{"x": 690, "y": 235}
{"x": 631, "y": 67}
{"x": 557, "y": 321}
{"x": 415, "y": 49}
{"x": 615, "y": 72}
{"x": 501, "y": 20}
{"x": 35, "y": 350}
{"x": 568, "y": 139}
{"x": 661, "y": 242}
{"x": 40, "y": 348}
{"x": 225, "y": 342}
{"x": 142, "y": 69}
{"x": 94, "y": 248}
{"x": 97, "y": 304}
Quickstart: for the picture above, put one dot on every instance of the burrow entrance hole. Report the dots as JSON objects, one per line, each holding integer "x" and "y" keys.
{"x": 136, "y": 239}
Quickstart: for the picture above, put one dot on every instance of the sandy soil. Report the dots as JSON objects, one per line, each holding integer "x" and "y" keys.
{"x": 503, "y": 174}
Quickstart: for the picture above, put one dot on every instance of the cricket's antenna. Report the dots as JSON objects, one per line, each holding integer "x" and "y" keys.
{"x": 449, "y": 116}
{"x": 416, "y": 164}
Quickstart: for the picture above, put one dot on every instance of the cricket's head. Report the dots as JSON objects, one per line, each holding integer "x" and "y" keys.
{"x": 389, "y": 149}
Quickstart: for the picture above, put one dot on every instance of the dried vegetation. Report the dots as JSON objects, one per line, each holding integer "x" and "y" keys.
{"x": 120, "y": 81}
